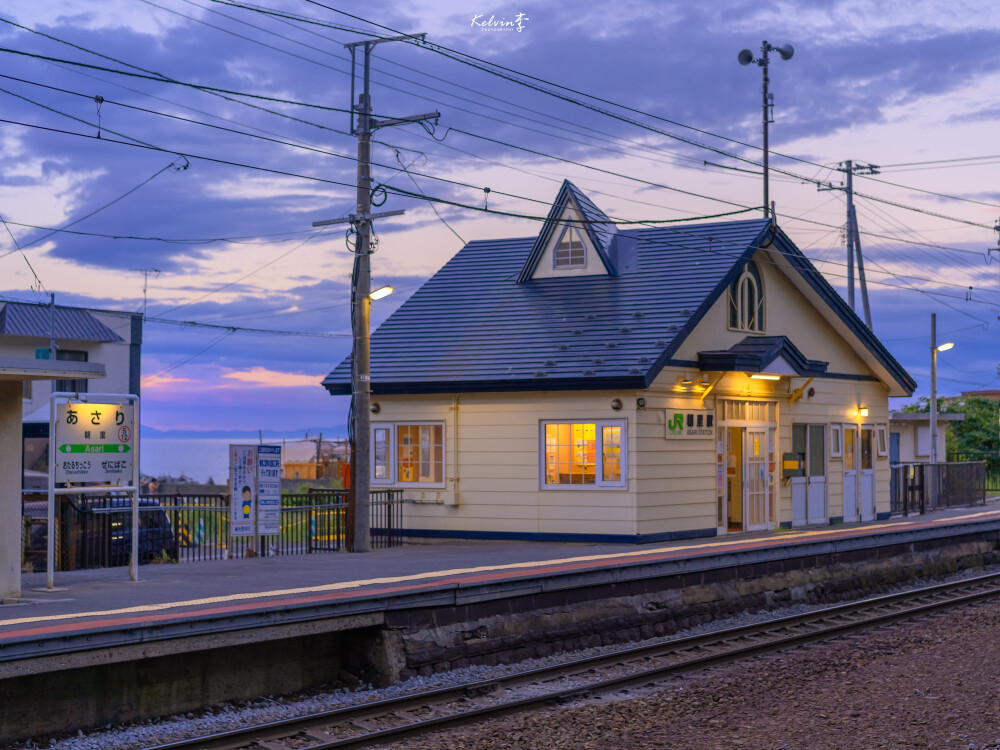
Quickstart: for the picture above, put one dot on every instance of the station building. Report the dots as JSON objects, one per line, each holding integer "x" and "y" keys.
{"x": 598, "y": 383}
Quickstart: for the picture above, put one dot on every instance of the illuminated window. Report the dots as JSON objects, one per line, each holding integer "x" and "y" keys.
{"x": 583, "y": 454}
{"x": 746, "y": 301}
{"x": 408, "y": 454}
{"x": 570, "y": 251}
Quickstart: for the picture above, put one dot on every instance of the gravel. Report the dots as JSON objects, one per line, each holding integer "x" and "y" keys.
{"x": 844, "y": 681}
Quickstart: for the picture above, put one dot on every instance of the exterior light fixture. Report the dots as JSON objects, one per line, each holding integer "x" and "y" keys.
{"x": 945, "y": 347}
{"x": 862, "y": 411}
{"x": 616, "y": 404}
{"x": 382, "y": 291}
{"x": 763, "y": 376}
{"x": 640, "y": 403}
{"x": 685, "y": 379}
{"x": 375, "y": 408}
{"x": 745, "y": 58}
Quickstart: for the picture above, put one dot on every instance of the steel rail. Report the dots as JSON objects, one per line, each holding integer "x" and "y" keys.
{"x": 689, "y": 654}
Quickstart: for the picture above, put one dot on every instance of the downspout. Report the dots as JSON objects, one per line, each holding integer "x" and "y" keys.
{"x": 456, "y": 473}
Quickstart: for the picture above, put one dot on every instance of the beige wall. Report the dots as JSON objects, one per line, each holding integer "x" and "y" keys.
{"x": 497, "y": 457}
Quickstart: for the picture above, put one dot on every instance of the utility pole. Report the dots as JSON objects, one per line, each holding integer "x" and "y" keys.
{"x": 853, "y": 234}
{"x": 361, "y": 285}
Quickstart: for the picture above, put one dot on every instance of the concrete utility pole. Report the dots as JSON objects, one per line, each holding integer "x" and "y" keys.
{"x": 361, "y": 286}
{"x": 853, "y": 235}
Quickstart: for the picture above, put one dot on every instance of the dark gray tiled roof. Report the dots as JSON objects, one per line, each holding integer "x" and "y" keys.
{"x": 472, "y": 326}
{"x": 482, "y": 324}
{"x": 26, "y": 319}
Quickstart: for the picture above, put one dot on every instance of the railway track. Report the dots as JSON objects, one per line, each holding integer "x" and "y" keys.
{"x": 397, "y": 718}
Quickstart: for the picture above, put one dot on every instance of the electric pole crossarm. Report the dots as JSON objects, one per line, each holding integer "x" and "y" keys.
{"x": 376, "y": 124}
{"x": 355, "y": 218}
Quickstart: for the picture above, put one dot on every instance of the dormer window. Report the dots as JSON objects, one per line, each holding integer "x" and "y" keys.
{"x": 570, "y": 252}
{"x": 746, "y": 301}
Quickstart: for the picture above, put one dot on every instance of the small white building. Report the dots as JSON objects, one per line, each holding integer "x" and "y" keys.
{"x": 910, "y": 436}
{"x": 105, "y": 337}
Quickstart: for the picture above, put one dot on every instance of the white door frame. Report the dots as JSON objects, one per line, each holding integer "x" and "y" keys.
{"x": 851, "y": 478}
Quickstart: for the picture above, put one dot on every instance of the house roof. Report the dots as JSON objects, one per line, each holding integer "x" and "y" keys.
{"x": 479, "y": 325}
{"x": 35, "y": 320}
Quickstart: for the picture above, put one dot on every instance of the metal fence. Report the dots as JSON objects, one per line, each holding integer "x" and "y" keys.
{"x": 920, "y": 488}
{"x": 96, "y": 531}
{"x": 992, "y": 461}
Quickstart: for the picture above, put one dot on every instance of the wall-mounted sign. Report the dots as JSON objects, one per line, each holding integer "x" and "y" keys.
{"x": 689, "y": 424}
{"x": 268, "y": 489}
{"x": 94, "y": 443}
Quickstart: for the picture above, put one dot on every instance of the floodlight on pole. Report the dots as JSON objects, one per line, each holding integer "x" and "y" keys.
{"x": 382, "y": 291}
{"x": 935, "y": 348}
{"x": 745, "y": 58}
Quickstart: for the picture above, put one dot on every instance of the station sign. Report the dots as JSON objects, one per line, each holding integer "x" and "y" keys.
{"x": 255, "y": 490}
{"x": 690, "y": 424}
{"x": 94, "y": 443}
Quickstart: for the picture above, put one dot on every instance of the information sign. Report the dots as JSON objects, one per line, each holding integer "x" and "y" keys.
{"x": 243, "y": 489}
{"x": 268, "y": 489}
{"x": 94, "y": 443}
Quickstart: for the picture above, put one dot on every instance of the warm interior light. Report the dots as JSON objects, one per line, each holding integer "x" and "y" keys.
{"x": 945, "y": 347}
{"x": 382, "y": 291}
{"x": 762, "y": 376}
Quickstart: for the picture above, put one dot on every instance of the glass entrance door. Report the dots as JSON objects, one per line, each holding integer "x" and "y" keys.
{"x": 755, "y": 479}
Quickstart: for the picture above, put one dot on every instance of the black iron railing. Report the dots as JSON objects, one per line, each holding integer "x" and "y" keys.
{"x": 96, "y": 531}
{"x": 920, "y": 488}
{"x": 992, "y": 461}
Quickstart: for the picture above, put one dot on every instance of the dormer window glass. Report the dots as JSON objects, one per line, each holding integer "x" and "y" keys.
{"x": 746, "y": 301}
{"x": 570, "y": 252}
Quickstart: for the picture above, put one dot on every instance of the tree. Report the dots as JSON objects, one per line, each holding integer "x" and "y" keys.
{"x": 977, "y": 436}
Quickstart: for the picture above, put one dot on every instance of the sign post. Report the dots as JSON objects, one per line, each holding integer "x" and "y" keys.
{"x": 93, "y": 447}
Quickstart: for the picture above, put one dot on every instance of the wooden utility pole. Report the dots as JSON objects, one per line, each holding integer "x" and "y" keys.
{"x": 360, "y": 540}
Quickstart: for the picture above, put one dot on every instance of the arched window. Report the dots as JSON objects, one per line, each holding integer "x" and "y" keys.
{"x": 746, "y": 300}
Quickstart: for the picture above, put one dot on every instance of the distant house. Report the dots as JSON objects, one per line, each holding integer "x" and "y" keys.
{"x": 600, "y": 383}
{"x": 112, "y": 338}
{"x": 910, "y": 436}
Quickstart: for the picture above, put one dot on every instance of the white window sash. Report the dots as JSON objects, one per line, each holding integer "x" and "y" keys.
{"x": 599, "y": 481}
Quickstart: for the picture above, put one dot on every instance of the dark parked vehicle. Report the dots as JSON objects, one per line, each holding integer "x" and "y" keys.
{"x": 98, "y": 532}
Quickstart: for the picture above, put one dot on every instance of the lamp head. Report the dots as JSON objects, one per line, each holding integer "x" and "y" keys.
{"x": 946, "y": 346}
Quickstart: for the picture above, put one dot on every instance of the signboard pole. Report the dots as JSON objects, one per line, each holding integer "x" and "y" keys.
{"x": 133, "y": 563}
{"x": 50, "y": 542}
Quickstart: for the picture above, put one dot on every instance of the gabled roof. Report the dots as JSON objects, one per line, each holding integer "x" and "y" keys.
{"x": 479, "y": 325}
{"x": 759, "y": 354}
{"x": 35, "y": 320}
{"x": 598, "y": 226}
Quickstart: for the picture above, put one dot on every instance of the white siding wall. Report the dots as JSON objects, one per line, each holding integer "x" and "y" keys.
{"x": 497, "y": 457}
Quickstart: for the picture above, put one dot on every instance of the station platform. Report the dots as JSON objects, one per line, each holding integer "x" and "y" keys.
{"x": 91, "y": 609}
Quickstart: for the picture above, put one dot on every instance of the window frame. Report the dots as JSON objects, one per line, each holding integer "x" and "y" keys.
{"x": 737, "y": 318}
{"x": 599, "y": 482}
{"x": 882, "y": 441}
{"x": 392, "y": 480}
{"x": 836, "y": 441}
{"x": 556, "y": 266}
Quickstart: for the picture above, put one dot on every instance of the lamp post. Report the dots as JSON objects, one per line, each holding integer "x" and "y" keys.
{"x": 745, "y": 58}
{"x": 935, "y": 348}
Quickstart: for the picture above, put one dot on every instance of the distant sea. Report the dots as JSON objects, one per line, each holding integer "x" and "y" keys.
{"x": 202, "y": 457}
{"x": 197, "y": 458}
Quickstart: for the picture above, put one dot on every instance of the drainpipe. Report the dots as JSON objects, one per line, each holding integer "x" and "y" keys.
{"x": 457, "y": 475}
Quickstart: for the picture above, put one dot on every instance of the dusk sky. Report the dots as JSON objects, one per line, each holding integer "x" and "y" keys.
{"x": 222, "y": 135}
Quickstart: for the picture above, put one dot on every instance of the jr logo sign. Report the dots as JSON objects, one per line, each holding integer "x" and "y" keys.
{"x": 690, "y": 424}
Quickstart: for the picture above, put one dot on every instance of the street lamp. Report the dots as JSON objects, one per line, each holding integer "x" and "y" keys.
{"x": 746, "y": 57}
{"x": 935, "y": 348}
